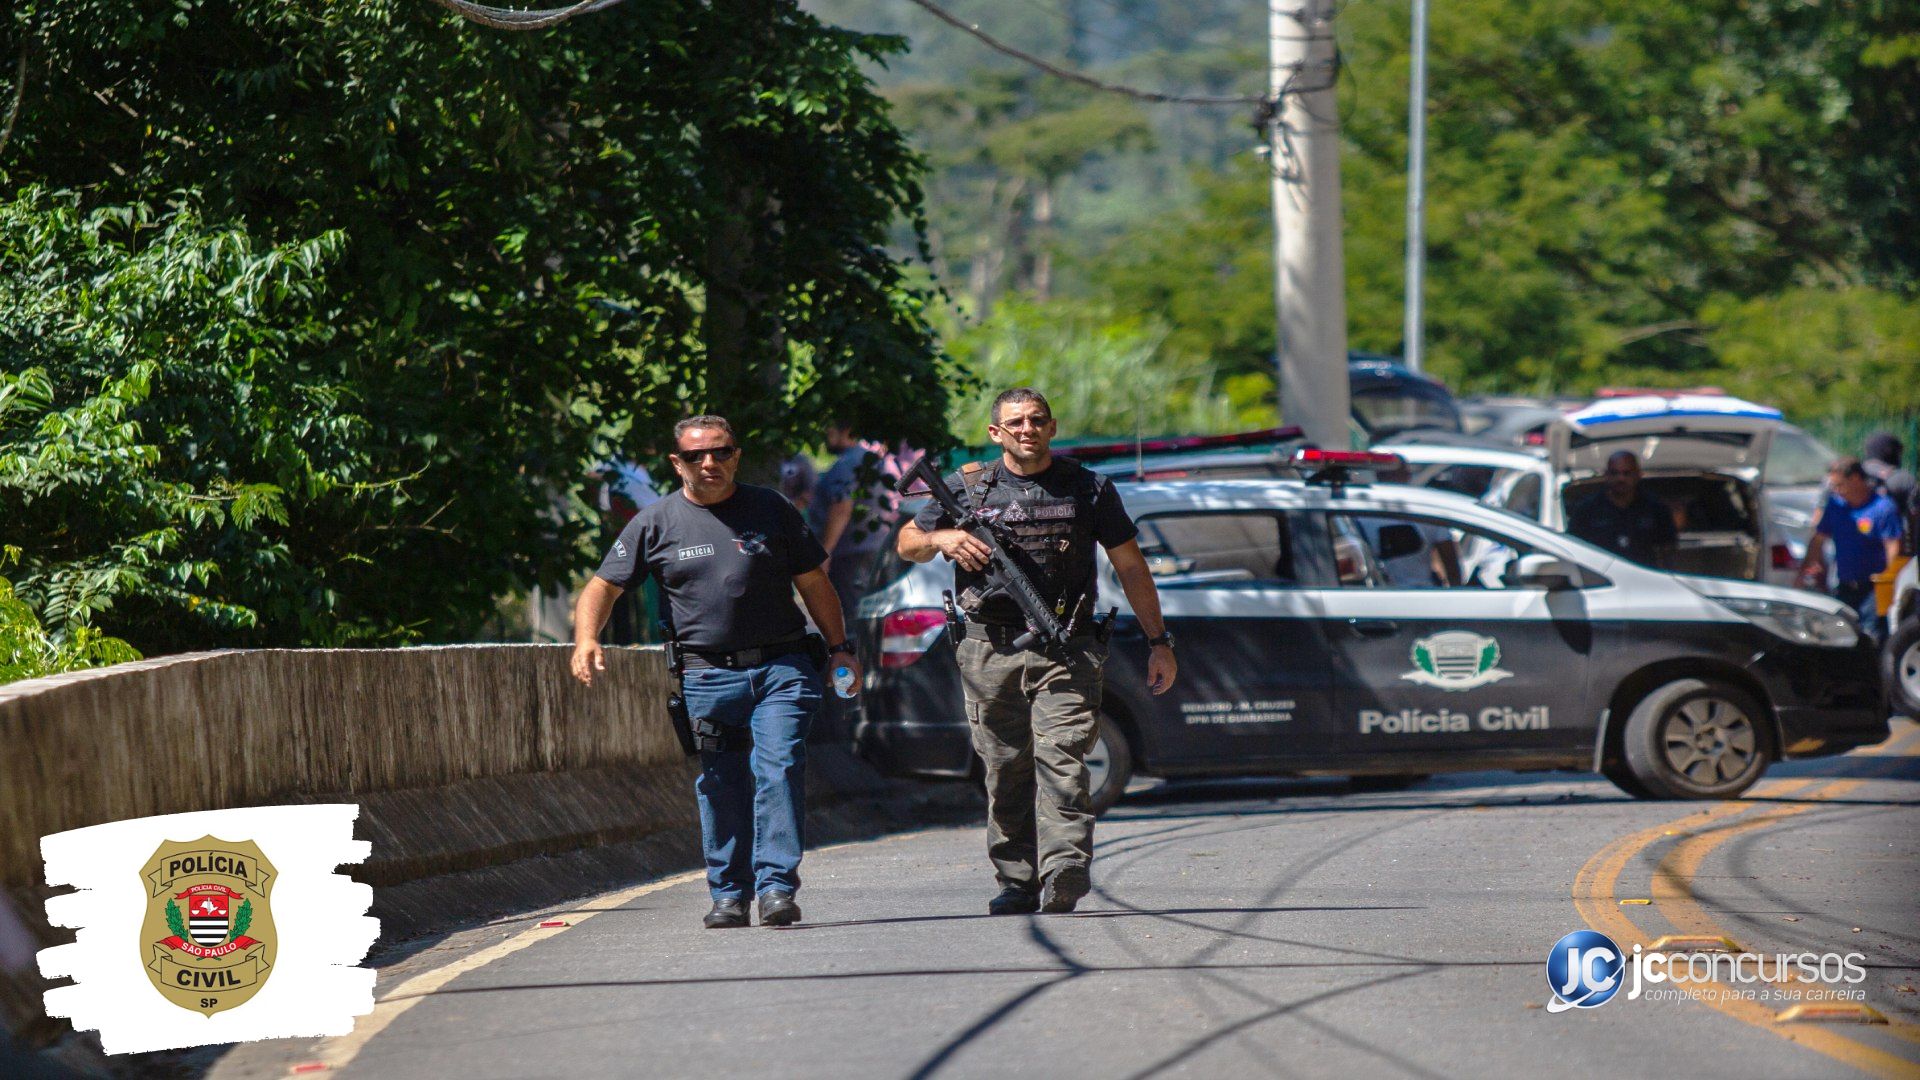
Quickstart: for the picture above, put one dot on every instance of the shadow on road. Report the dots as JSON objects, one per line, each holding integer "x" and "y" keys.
{"x": 1098, "y": 915}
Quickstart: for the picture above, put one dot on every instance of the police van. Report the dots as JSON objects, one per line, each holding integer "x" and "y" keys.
{"x": 1304, "y": 650}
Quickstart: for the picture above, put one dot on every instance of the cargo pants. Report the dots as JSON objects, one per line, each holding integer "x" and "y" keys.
{"x": 1032, "y": 719}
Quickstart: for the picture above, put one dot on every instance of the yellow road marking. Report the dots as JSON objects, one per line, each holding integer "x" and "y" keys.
{"x": 1673, "y": 878}
{"x": 336, "y": 1053}
{"x": 1595, "y": 883}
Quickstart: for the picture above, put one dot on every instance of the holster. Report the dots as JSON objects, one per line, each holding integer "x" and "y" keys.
{"x": 677, "y": 701}
{"x": 817, "y": 652}
{"x": 698, "y": 734}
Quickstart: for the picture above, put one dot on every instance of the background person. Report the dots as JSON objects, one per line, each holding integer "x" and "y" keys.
{"x": 1865, "y": 531}
{"x": 1032, "y": 714}
{"x": 851, "y": 513}
{"x": 729, "y": 558}
{"x": 1623, "y": 519}
{"x": 1883, "y": 462}
{"x": 619, "y": 489}
{"x": 1438, "y": 560}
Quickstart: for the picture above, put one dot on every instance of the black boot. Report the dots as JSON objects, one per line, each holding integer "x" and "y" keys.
{"x": 1064, "y": 888}
{"x": 778, "y": 909}
{"x": 726, "y": 915}
{"x": 1014, "y": 900}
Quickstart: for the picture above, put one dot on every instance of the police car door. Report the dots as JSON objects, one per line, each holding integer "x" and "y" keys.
{"x": 1478, "y": 669}
{"x": 1252, "y": 661}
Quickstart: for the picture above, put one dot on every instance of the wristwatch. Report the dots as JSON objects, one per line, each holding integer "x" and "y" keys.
{"x": 843, "y": 647}
{"x": 1165, "y": 638}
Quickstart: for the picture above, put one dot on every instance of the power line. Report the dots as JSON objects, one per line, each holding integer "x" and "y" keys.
{"x": 1069, "y": 74}
{"x": 501, "y": 18}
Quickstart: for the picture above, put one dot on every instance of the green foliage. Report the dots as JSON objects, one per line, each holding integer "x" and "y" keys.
{"x": 374, "y": 284}
{"x": 28, "y": 651}
{"x": 1616, "y": 189}
{"x": 175, "y": 924}
{"x": 157, "y": 407}
{"x": 1104, "y": 374}
{"x": 242, "y": 920}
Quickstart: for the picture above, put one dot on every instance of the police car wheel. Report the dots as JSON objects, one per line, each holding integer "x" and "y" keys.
{"x": 1696, "y": 739}
{"x": 1624, "y": 780}
{"x": 1109, "y": 765}
{"x": 1902, "y": 668}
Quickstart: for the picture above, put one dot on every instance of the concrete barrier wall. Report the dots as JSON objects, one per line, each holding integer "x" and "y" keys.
{"x": 463, "y": 759}
{"x": 211, "y": 730}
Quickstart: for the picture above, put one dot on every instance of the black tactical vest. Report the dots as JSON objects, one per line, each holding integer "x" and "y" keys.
{"x": 1051, "y": 532}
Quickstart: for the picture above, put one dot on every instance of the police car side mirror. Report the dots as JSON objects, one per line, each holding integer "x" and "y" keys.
{"x": 1543, "y": 572}
{"x": 1398, "y": 541}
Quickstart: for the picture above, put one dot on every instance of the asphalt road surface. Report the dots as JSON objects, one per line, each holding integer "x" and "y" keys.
{"x": 1266, "y": 928}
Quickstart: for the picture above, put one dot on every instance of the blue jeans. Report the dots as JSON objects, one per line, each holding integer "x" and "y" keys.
{"x": 1858, "y": 595}
{"x": 753, "y": 805}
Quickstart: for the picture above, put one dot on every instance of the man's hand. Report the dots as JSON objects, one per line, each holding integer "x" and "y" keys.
{"x": 588, "y": 658}
{"x": 1161, "y": 668}
{"x": 961, "y": 546}
{"x": 589, "y": 615}
{"x": 851, "y": 663}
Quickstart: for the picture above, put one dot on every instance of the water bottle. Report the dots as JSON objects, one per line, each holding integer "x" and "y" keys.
{"x": 843, "y": 681}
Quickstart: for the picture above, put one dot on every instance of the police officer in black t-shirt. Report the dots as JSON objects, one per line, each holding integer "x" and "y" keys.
{"x": 1623, "y": 519}
{"x": 1032, "y": 714}
{"x": 729, "y": 557}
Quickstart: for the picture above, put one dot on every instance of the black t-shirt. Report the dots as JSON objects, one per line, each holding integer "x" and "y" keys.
{"x": 1634, "y": 531}
{"x": 1028, "y": 500}
{"x": 727, "y": 569}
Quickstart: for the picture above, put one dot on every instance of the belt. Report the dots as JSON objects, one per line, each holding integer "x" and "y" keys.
{"x": 1001, "y": 635}
{"x": 745, "y": 658}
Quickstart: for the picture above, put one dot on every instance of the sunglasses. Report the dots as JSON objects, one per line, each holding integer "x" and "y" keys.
{"x": 719, "y": 453}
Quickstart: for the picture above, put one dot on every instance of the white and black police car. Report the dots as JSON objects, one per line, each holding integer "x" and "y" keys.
{"x": 1314, "y": 640}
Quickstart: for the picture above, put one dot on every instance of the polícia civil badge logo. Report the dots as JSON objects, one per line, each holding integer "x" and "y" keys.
{"x": 177, "y": 941}
{"x": 1455, "y": 660}
{"x": 208, "y": 939}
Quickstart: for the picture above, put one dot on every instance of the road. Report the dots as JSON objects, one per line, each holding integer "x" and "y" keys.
{"x": 1274, "y": 928}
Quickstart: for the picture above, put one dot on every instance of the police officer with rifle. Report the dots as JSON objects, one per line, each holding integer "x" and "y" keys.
{"x": 1020, "y": 532}
{"x": 747, "y": 675}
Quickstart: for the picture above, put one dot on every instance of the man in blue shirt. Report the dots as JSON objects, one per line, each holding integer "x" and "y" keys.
{"x": 1865, "y": 530}
{"x": 850, "y": 513}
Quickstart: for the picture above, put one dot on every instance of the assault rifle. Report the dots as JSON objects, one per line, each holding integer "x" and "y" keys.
{"x": 1002, "y": 573}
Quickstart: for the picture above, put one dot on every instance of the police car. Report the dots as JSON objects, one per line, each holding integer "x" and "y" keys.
{"x": 1301, "y": 653}
{"x": 1703, "y": 455}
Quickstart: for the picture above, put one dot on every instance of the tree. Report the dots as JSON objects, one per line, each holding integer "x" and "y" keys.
{"x": 171, "y": 459}
{"x": 1606, "y": 181}
{"x": 544, "y": 248}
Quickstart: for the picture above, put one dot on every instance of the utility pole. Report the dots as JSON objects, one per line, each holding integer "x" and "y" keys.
{"x": 1309, "y": 286}
{"x": 1414, "y": 329}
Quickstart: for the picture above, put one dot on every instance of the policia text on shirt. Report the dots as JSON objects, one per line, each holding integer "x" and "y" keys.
{"x": 1031, "y": 712}
{"x": 729, "y": 557}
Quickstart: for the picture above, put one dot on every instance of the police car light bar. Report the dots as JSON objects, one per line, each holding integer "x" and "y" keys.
{"x": 1335, "y": 468}
{"x": 1101, "y": 451}
{"x": 1349, "y": 459}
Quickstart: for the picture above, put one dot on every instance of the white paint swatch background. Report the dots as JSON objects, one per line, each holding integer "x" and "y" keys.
{"x": 323, "y": 931}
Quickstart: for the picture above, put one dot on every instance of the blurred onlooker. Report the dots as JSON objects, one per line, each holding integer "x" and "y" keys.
{"x": 1438, "y": 560}
{"x": 1865, "y": 530}
{"x": 619, "y": 489}
{"x": 1623, "y": 519}
{"x": 1884, "y": 464}
{"x": 851, "y": 512}
{"x": 799, "y": 482}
